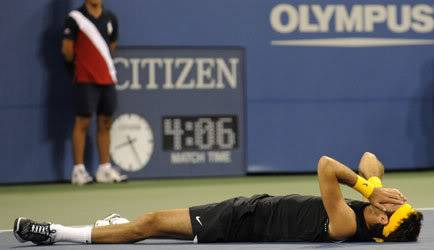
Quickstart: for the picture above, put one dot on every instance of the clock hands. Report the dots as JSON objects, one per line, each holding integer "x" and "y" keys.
{"x": 136, "y": 154}
{"x": 130, "y": 142}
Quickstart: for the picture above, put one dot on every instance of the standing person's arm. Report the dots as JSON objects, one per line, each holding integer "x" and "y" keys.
{"x": 70, "y": 32}
{"x": 113, "y": 46}
{"x": 115, "y": 33}
{"x": 68, "y": 49}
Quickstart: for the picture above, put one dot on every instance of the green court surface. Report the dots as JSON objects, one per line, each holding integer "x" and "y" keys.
{"x": 71, "y": 205}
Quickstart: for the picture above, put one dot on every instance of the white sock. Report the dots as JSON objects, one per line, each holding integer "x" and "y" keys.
{"x": 105, "y": 165}
{"x": 72, "y": 234}
{"x": 79, "y": 166}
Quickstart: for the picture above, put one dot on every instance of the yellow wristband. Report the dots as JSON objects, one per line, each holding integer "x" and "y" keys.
{"x": 376, "y": 181}
{"x": 364, "y": 187}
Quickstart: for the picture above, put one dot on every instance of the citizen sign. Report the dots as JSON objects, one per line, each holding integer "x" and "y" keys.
{"x": 287, "y": 18}
{"x": 178, "y": 73}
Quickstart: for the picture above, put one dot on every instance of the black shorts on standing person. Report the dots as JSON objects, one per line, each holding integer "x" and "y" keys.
{"x": 92, "y": 97}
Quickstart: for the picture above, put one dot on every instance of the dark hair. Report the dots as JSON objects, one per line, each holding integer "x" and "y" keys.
{"x": 408, "y": 230}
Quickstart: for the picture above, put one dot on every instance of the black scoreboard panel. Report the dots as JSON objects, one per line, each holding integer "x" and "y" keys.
{"x": 191, "y": 133}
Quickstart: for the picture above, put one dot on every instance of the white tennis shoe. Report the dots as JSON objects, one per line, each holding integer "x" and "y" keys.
{"x": 80, "y": 176}
{"x": 108, "y": 174}
{"x": 113, "y": 219}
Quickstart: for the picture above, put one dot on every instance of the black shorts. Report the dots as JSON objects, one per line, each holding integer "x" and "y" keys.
{"x": 227, "y": 221}
{"x": 94, "y": 98}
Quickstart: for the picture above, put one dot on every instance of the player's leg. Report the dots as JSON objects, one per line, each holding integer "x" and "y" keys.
{"x": 170, "y": 223}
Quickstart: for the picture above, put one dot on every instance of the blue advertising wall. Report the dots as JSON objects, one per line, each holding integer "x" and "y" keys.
{"x": 362, "y": 81}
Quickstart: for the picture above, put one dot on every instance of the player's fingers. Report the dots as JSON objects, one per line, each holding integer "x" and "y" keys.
{"x": 391, "y": 207}
{"x": 390, "y": 197}
{"x": 393, "y": 200}
{"x": 394, "y": 194}
{"x": 379, "y": 206}
{"x": 400, "y": 194}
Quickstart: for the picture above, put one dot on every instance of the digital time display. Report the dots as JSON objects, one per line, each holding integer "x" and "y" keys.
{"x": 200, "y": 133}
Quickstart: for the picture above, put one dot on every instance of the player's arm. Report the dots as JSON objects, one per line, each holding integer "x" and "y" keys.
{"x": 370, "y": 166}
{"x": 68, "y": 49}
{"x": 342, "y": 222}
{"x": 342, "y": 219}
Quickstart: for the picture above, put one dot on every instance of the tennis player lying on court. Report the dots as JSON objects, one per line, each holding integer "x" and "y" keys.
{"x": 263, "y": 218}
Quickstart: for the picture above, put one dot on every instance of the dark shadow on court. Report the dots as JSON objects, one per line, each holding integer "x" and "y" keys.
{"x": 59, "y": 111}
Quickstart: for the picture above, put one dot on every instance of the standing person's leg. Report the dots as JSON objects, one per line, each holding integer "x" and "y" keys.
{"x": 107, "y": 103}
{"x": 103, "y": 138}
{"x": 85, "y": 105}
{"x": 79, "y": 131}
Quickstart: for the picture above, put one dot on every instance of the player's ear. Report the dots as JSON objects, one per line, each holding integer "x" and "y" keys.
{"x": 382, "y": 218}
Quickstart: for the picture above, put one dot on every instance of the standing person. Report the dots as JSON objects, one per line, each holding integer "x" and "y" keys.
{"x": 89, "y": 37}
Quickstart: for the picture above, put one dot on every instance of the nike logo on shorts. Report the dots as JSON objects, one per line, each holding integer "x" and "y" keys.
{"x": 198, "y": 220}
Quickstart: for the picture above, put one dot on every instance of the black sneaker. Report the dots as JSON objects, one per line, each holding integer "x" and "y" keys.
{"x": 38, "y": 233}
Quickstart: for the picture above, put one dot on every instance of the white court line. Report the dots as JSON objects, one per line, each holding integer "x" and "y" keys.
{"x": 421, "y": 209}
{"x": 425, "y": 208}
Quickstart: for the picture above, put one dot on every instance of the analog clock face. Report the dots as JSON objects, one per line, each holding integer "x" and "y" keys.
{"x": 132, "y": 142}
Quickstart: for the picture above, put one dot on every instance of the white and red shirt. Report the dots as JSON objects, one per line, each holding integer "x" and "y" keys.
{"x": 92, "y": 37}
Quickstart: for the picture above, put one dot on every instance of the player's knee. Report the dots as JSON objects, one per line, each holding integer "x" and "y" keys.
{"x": 148, "y": 222}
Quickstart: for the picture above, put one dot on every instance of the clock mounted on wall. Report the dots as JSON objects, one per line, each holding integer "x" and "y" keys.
{"x": 132, "y": 142}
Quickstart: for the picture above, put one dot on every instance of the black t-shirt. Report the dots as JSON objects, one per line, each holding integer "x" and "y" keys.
{"x": 106, "y": 23}
{"x": 300, "y": 218}
{"x": 291, "y": 218}
{"x": 362, "y": 233}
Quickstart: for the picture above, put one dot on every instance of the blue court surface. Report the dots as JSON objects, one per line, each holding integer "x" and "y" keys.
{"x": 426, "y": 241}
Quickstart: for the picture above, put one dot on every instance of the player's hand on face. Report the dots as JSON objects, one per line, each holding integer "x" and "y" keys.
{"x": 400, "y": 194}
{"x": 391, "y": 208}
{"x": 381, "y": 196}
